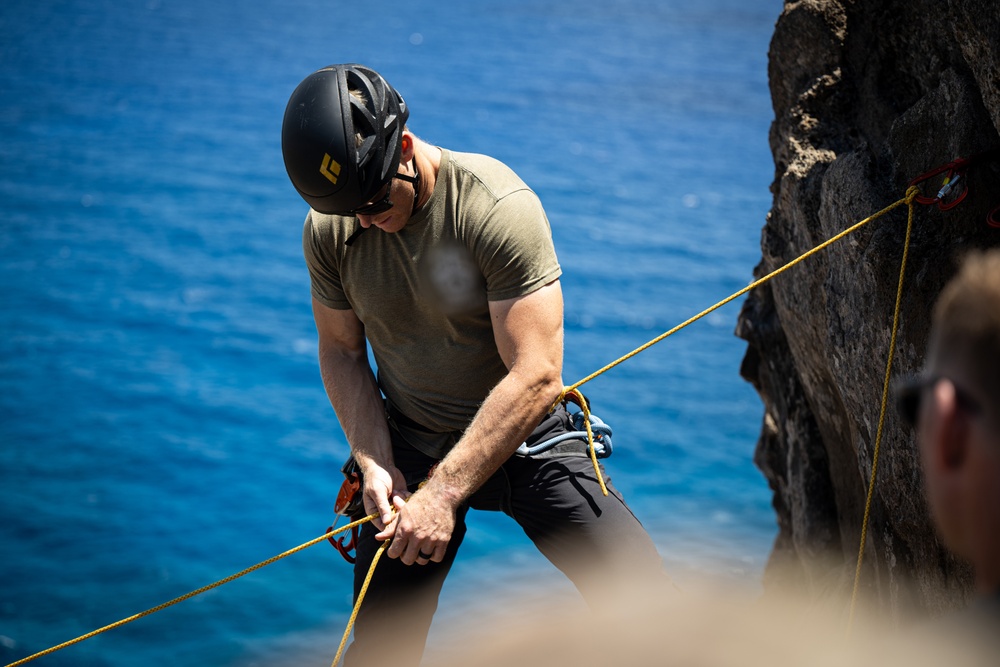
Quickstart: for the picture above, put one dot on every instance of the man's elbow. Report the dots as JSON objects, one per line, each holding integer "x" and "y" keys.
{"x": 544, "y": 381}
{"x": 335, "y": 353}
{"x": 553, "y": 388}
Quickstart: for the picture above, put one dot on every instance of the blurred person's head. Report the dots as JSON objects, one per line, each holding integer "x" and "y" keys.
{"x": 956, "y": 408}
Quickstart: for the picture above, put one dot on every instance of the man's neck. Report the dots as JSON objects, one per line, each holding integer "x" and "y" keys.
{"x": 428, "y": 163}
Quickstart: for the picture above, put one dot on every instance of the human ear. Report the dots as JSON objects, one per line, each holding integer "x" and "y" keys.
{"x": 406, "y": 147}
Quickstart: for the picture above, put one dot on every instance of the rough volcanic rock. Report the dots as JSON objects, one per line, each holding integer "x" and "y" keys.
{"x": 867, "y": 96}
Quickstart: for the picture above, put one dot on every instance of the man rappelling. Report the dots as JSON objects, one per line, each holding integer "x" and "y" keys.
{"x": 442, "y": 262}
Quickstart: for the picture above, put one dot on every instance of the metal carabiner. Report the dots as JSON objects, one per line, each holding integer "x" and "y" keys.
{"x": 345, "y": 549}
{"x": 953, "y": 173}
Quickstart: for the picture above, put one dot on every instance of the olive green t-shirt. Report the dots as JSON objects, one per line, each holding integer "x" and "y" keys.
{"x": 422, "y": 292}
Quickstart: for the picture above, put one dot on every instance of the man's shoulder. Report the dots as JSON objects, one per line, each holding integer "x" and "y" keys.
{"x": 324, "y": 237}
{"x": 475, "y": 168}
{"x": 327, "y": 227}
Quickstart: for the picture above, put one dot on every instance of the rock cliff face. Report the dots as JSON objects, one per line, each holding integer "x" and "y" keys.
{"x": 867, "y": 95}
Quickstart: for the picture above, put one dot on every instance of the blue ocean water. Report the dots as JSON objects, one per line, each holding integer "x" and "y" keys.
{"x": 162, "y": 421}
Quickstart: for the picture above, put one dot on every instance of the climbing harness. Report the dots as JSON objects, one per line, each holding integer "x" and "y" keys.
{"x": 602, "y": 437}
{"x": 575, "y": 395}
{"x": 598, "y": 434}
{"x": 601, "y": 442}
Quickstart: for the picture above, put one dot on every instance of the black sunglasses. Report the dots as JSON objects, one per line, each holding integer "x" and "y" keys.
{"x": 908, "y": 394}
{"x": 384, "y": 204}
{"x": 378, "y": 206}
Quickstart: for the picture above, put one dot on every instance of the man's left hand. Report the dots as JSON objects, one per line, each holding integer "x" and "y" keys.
{"x": 421, "y": 529}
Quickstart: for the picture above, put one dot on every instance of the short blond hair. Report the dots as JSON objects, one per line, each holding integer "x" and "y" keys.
{"x": 966, "y": 324}
{"x": 363, "y": 99}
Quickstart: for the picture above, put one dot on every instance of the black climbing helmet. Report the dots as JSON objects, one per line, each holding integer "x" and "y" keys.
{"x": 328, "y": 166}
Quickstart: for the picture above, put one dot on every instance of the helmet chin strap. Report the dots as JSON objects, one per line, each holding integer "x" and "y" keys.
{"x": 415, "y": 179}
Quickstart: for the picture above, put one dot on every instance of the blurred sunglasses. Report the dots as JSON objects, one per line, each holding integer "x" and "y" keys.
{"x": 909, "y": 393}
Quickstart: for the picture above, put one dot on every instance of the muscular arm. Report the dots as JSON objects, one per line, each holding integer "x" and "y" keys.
{"x": 529, "y": 336}
{"x": 354, "y": 395}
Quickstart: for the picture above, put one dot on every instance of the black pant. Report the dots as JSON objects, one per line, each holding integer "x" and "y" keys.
{"x": 555, "y": 498}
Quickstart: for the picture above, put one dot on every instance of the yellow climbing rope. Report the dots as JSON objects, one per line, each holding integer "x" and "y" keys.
{"x": 582, "y": 402}
{"x": 720, "y": 304}
{"x": 187, "y": 596}
{"x": 357, "y": 603}
{"x": 911, "y": 195}
{"x": 573, "y": 390}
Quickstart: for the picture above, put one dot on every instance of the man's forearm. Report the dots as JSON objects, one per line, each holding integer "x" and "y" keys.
{"x": 354, "y": 395}
{"x": 505, "y": 419}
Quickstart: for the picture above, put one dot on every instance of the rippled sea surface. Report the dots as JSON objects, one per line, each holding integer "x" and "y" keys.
{"x": 162, "y": 421}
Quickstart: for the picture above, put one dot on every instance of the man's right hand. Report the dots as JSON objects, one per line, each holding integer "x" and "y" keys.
{"x": 381, "y": 486}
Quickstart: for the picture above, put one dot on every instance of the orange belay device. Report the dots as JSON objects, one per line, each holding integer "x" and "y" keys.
{"x": 349, "y": 501}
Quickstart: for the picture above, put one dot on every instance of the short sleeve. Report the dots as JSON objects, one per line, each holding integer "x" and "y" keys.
{"x": 514, "y": 247}
{"x": 319, "y": 249}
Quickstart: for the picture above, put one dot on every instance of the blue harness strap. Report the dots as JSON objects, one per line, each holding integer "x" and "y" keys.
{"x": 601, "y": 431}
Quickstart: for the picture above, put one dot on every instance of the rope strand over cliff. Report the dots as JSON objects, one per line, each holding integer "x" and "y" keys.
{"x": 757, "y": 283}
{"x": 911, "y": 196}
